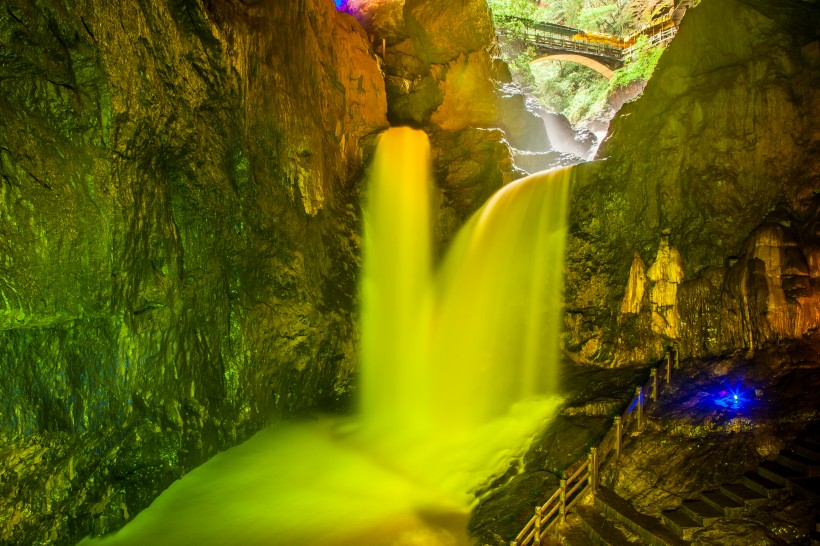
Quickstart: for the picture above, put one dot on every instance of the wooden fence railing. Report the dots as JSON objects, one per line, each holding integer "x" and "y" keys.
{"x": 661, "y": 37}
{"x": 582, "y": 476}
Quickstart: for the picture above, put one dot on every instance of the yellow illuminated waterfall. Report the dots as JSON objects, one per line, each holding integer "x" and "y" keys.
{"x": 459, "y": 369}
{"x": 458, "y": 362}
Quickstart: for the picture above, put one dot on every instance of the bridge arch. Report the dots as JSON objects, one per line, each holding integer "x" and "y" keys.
{"x": 589, "y": 62}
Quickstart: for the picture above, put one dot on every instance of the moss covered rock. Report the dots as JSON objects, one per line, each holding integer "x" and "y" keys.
{"x": 178, "y": 217}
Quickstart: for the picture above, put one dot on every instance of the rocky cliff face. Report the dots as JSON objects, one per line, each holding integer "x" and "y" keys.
{"x": 709, "y": 178}
{"x": 179, "y": 209}
{"x": 444, "y": 75}
{"x": 178, "y": 213}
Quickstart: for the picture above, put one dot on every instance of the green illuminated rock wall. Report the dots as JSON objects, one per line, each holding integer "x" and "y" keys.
{"x": 723, "y": 143}
{"x": 178, "y": 249}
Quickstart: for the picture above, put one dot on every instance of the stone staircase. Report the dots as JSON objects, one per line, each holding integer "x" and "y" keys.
{"x": 612, "y": 521}
{"x": 650, "y": 530}
{"x": 815, "y": 535}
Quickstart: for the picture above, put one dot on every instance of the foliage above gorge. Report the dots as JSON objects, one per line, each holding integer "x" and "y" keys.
{"x": 571, "y": 89}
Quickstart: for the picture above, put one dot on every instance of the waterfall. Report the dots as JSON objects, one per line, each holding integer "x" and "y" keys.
{"x": 448, "y": 354}
{"x": 459, "y": 372}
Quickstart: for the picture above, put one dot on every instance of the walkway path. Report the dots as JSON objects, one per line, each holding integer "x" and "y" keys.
{"x": 600, "y": 516}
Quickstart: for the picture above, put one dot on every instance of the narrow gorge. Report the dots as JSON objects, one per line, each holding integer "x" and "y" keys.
{"x": 181, "y": 234}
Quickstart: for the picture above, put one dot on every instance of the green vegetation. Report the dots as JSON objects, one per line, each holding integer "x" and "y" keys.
{"x": 576, "y": 91}
{"x": 640, "y": 64}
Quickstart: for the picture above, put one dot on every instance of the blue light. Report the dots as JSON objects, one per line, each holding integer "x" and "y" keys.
{"x": 340, "y": 4}
{"x": 731, "y": 398}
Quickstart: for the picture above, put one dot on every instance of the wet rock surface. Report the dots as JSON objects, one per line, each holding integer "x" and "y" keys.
{"x": 446, "y": 77}
{"x": 178, "y": 249}
{"x": 722, "y": 143}
{"x": 698, "y": 437}
{"x": 778, "y": 393}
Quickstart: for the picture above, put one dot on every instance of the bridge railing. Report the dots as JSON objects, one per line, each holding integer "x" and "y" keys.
{"x": 582, "y": 476}
{"x": 662, "y": 37}
{"x": 561, "y": 38}
{"x": 560, "y": 42}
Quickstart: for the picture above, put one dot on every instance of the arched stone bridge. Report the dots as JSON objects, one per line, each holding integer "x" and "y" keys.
{"x": 600, "y": 52}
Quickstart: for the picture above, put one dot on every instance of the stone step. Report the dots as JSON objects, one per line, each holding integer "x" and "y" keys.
{"x": 680, "y": 522}
{"x": 651, "y": 530}
{"x": 722, "y": 503}
{"x": 776, "y": 472}
{"x": 576, "y": 536}
{"x": 599, "y": 529}
{"x": 808, "y": 488}
{"x": 700, "y": 511}
{"x": 798, "y": 463}
{"x": 807, "y": 448}
{"x": 755, "y": 481}
{"x": 741, "y": 493}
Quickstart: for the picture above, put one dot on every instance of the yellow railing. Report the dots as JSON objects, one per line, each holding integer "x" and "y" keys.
{"x": 563, "y": 38}
{"x": 583, "y": 474}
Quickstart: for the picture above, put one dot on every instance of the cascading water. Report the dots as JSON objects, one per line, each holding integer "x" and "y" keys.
{"x": 459, "y": 369}
{"x": 447, "y": 355}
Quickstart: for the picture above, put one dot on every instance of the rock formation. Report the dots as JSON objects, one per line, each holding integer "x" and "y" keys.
{"x": 179, "y": 210}
{"x": 635, "y": 287}
{"x": 445, "y": 76}
{"x": 178, "y": 219}
{"x": 722, "y": 144}
{"x": 179, "y": 215}
{"x": 664, "y": 276}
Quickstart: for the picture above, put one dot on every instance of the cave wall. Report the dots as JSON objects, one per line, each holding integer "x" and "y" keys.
{"x": 179, "y": 206}
{"x": 178, "y": 249}
{"x": 698, "y": 227}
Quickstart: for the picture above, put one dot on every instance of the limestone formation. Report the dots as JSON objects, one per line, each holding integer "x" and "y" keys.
{"x": 665, "y": 274}
{"x": 723, "y": 136}
{"x": 635, "y": 287}
{"x": 766, "y": 294}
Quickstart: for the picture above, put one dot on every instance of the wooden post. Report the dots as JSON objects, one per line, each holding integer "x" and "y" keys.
{"x": 593, "y": 469}
{"x": 537, "y": 525}
{"x": 655, "y": 384}
{"x": 563, "y": 508}
{"x": 668, "y": 366}
{"x": 619, "y": 432}
{"x": 639, "y": 394}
